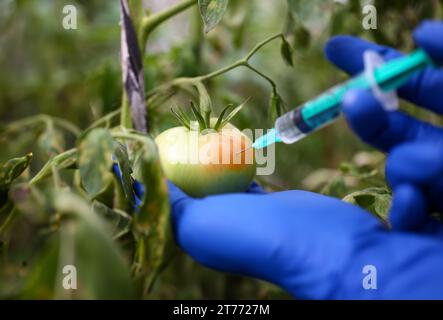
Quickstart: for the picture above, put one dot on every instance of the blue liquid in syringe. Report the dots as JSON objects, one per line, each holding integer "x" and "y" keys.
{"x": 316, "y": 113}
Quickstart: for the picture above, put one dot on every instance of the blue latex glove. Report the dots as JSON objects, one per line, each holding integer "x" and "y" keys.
{"x": 316, "y": 246}
{"x": 388, "y": 130}
{"x": 415, "y": 173}
{"x": 313, "y": 246}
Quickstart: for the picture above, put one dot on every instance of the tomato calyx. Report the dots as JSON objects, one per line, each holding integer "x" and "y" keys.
{"x": 204, "y": 123}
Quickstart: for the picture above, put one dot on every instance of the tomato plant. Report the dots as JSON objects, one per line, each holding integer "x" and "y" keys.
{"x": 67, "y": 119}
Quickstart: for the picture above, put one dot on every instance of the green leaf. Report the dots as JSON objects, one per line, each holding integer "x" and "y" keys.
{"x": 106, "y": 273}
{"x": 95, "y": 161}
{"x": 286, "y": 52}
{"x": 355, "y": 171}
{"x": 30, "y": 201}
{"x": 181, "y": 117}
{"x": 150, "y": 174}
{"x": 319, "y": 178}
{"x": 375, "y": 200}
{"x": 302, "y": 37}
{"x": 12, "y": 169}
{"x": 212, "y": 12}
{"x": 122, "y": 159}
{"x": 85, "y": 242}
{"x": 6, "y": 207}
{"x": 64, "y": 160}
{"x": 51, "y": 141}
{"x": 152, "y": 222}
{"x": 41, "y": 282}
{"x": 276, "y": 107}
{"x": 198, "y": 117}
{"x": 118, "y": 219}
{"x": 205, "y": 103}
{"x": 222, "y": 116}
{"x": 233, "y": 113}
{"x": 313, "y": 15}
{"x": 336, "y": 187}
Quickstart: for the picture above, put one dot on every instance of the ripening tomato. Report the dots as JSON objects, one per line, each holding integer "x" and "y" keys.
{"x": 207, "y": 162}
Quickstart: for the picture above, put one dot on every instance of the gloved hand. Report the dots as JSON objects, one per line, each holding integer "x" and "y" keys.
{"x": 389, "y": 130}
{"x": 314, "y": 246}
{"x": 318, "y": 247}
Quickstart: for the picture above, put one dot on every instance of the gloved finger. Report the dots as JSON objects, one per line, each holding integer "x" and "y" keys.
{"x": 346, "y": 52}
{"x": 255, "y": 188}
{"x": 418, "y": 163}
{"x": 421, "y": 164}
{"x": 425, "y": 37}
{"x": 383, "y": 129}
{"x": 408, "y": 210}
{"x": 178, "y": 199}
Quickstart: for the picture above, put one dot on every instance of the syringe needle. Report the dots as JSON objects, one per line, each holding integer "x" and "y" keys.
{"x": 241, "y": 151}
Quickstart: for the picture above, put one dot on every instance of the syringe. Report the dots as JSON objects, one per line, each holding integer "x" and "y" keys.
{"x": 383, "y": 78}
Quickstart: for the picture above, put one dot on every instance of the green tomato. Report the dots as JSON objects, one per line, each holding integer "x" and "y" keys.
{"x": 207, "y": 163}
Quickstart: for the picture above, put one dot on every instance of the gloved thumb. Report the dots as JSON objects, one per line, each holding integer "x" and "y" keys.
{"x": 178, "y": 198}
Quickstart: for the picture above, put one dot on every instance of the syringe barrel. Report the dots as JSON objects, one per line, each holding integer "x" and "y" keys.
{"x": 310, "y": 116}
{"x": 315, "y": 113}
{"x": 287, "y": 127}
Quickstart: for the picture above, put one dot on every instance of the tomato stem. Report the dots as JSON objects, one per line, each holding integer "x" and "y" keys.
{"x": 271, "y": 82}
{"x": 104, "y": 120}
{"x": 244, "y": 62}
{"x": 149, "y": 23}
{"x": 262, "y": 44}
{"x": 30, "y": 121}
{"x": 46, "y": 170}
{"x": 125, "y": 114}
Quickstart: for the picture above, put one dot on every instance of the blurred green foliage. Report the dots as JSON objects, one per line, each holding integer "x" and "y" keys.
{"x": 74, "y": 77}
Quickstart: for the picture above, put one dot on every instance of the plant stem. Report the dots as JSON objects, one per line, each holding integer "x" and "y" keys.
{"x": 8, "y": 221}
{"x": 56, "y": 177}
{"x": 239, "y": 63}
{"x": 62, "y": 123}
{"x": 130, "y": 136}
{"x": 149, "y": 23}
{"x": 104, "y": 120}
{"x": 68, "y": 126}
{"x": 271, "y": 82}
{"x": 125, "y": 115}
{"x": 197, "y": 41}
{"x": 47, "y": 168}
{"x": 261, "y": 45}
{"x": 219, "y": 72}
